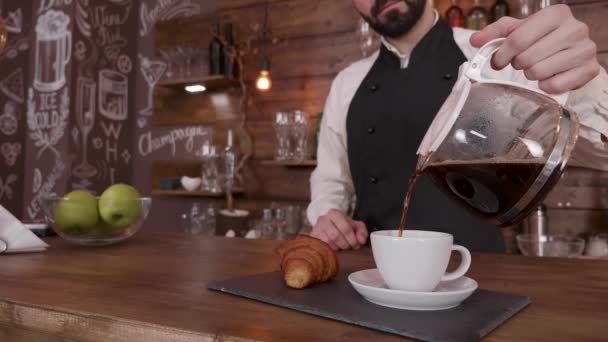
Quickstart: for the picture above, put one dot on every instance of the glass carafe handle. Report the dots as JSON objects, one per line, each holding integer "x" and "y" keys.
{"x": 484, "y": 55}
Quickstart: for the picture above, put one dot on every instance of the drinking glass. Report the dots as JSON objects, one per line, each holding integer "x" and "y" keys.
{"x": 305, "y": 226}
{"x": 266, "y": 225}
{"x": 196, "y": 225}
{"x": 292, "y": 220}
{"x": 280, "y": 223}
{"x": 209, "y": 221}
{"x": 300, "y": 134}
{"x": 282, "y": 125}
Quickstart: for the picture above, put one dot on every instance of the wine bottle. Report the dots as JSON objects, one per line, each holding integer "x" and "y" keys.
{"x": 216, "y": 51}
{"x": 454, "y": 15}
{"x": 228, "y": 62}
{"x": 230, "y": 157}
{"x": 477, "y": 18}
{"x": 500, "y": 9}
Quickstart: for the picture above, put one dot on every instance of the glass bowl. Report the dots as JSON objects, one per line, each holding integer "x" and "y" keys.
{"x": 550, "y": 245}
{"x": 69, "y": 220}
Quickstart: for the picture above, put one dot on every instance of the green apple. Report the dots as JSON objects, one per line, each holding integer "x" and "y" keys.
{"x": 76, "y": 212}
{"x": 119, "y": 206}
{"x": 103, "y": 228}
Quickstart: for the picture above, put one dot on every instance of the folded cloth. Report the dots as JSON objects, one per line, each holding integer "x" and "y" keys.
{"x": 15, "y": 238}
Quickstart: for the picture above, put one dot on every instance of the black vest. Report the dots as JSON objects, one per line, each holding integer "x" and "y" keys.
{"x": 386, "y": 122}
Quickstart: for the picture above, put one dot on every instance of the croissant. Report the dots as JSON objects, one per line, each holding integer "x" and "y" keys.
{"x": 306, "y": 261}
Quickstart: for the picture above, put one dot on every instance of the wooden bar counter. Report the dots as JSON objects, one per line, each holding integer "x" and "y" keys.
{"x": 153, "y": 288}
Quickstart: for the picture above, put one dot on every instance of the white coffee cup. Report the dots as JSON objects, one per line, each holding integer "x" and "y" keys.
{"x": 418, "y": 260}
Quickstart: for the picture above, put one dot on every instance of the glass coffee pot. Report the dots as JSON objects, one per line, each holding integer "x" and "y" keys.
{"x": 497, "y": 147}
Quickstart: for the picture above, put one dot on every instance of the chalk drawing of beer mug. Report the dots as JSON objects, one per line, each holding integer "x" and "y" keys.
{"x": 53, "y": 50}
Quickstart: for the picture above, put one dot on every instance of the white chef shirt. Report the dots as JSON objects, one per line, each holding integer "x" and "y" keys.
{"x": 331, "y": 182}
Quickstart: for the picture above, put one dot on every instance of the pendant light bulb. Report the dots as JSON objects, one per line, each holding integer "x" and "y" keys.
{"x": 264, "y": 82}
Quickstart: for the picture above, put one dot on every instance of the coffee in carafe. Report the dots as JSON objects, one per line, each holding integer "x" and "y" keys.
{"x": 490, "y": 188}
{"x": 498, "y": 146}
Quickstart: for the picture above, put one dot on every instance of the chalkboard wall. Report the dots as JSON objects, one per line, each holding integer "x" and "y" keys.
{"x": 75, "y": 80}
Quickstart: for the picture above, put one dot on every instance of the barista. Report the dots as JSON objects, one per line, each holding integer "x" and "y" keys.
{"x": 379, "y": 109}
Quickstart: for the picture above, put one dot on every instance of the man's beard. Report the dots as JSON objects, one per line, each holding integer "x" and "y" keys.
{"x": 397, "y": 24}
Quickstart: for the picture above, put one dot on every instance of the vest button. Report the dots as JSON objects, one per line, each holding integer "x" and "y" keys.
{"x": 373, "y": 88}
{"x": 371, "y": 130}
{"x": 373, "y": 179}
{"x": 447, "y": 76}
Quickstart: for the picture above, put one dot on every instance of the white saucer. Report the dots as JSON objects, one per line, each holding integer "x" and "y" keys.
{"x": 448, "y": 294}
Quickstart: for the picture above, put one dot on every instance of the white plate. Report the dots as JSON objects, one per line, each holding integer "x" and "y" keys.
{"x": 448, "y": 294}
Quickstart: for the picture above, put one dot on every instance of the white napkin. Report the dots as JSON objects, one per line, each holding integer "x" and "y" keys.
{"x": 15, "y": 238}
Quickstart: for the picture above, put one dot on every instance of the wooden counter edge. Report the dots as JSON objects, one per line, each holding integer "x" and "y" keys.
{"x": 94, "y": 327}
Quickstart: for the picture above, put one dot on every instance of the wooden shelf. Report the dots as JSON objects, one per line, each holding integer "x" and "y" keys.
{"x": 185, "y": 193}
{"x": 291, "y": 163}
{"x": 213, "y": 83}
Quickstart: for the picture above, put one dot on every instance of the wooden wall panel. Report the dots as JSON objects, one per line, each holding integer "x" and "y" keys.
{"x": 309, "y": 56}
{"x": 288, "y": 19}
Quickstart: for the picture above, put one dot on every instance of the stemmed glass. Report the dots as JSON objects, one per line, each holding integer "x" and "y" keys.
{"x": 368, "y": 38}
{"x": 85, "y": 118}
{"x": 282, "y": 128}
{"x": 186, "y": 55}
{"x": 300, "y": 134}
{"x": 166, "y": 55}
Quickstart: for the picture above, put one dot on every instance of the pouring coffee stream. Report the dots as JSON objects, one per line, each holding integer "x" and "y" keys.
{"x": 495, "y": 147}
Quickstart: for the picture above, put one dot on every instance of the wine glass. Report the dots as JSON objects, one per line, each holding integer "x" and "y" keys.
{"x": 166, "y": 55}
{"x": 368, "y": 38}
{"x": 85, "y": 118}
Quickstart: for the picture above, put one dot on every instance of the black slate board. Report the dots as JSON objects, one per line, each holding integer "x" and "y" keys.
{"x": 473, "y": 319}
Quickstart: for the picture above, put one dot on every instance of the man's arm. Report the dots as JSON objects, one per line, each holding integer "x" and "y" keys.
{"x": 554, "y": 48}
{"x": 331, "y": 183}
{"x": 590, "y": 103}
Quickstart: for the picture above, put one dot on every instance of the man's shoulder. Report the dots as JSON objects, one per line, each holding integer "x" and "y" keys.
{"x": 348, "y": 80}
{"x": 360, "y": 67}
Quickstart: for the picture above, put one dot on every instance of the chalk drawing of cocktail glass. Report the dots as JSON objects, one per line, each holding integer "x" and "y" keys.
{"x": 113, "y": 94}
{"x": 152, "y": 72}
{"x": 53, "y": 50}
{"x": 85, "y": 118}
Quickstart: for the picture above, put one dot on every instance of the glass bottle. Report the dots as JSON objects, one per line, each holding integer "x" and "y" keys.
{"x": 477, "y": 18}
{"x": 228, "y": 61}
{"x": 216, "y": 51}
{"x": 230, "y": 161}
{"x": 500, "y": 9}
{"x": 454, "y": 15}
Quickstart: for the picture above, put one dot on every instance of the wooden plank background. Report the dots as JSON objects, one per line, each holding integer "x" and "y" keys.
{"x": 316, "y": 39}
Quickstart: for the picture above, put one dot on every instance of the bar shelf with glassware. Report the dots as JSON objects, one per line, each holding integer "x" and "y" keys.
{"x": 211, "y": 83}
{"x": 186, "y": 193}
{"x": 291, "y": 163}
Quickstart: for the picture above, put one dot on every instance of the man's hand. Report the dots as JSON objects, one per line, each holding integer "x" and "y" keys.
{"x": 340, "y": 231}
{"x": 551, "y": 47}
